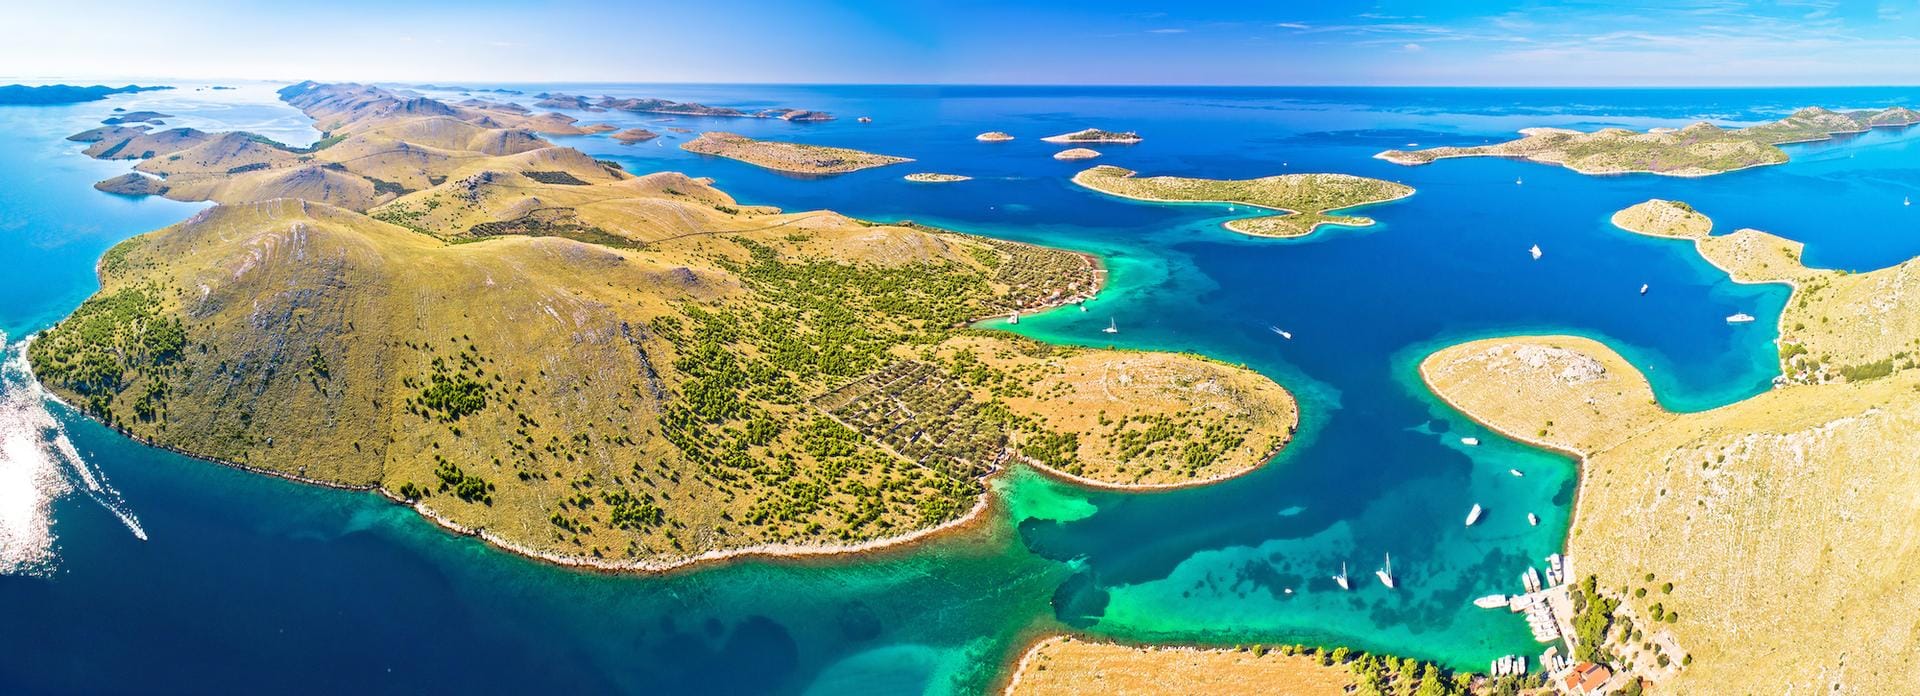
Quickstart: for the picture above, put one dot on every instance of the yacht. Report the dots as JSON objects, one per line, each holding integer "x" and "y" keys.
{"x": 1341, "y": 579}
{"x": 1283, "y": 333}
{"x": 1013, "y": 318}
{"x": 1535, "y": 251}
{"x": 1517, "y": 181}
{"x": 1473, "y": 515}
{"x": 1740, "y": 318}
{"x": 1111, "y": 327}
{"x": 1516, "y": 473}
{"x": 1386, "y": 573}
{"x": 1643, "y": 288}
{"x": 1470, "y": 441}
{"x": 1533, "y": 519}
{"x": 1495, "y": 601}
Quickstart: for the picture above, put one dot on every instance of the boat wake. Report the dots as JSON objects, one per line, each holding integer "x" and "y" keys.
{"x": 38, "y": 465}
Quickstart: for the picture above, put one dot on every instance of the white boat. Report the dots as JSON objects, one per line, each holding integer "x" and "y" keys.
{"x": 1413, "y": 144}
{"x": 1517, "y": 181}
{"x": 1740, "y": 318}
{"x": 1533, "y": 519}
{"x": 1516, "y": 473}
{"x": 1013, "y": 318}
{"x": 1083, "y": 306}
{"x": 1492, "y": 601}
{"x": 1470, "y": 441}
{"x": 1386, "y": 573}
{"x": 1906, "y": 201}
{"x": 1643, "y": 288}
{"x": 1341, "y": 579}
{"x": 1283, "y": 333}
{"x": 1111, "y": 328}
{"x": 1473, "y": 515}
{"x": 1535, "y": 251}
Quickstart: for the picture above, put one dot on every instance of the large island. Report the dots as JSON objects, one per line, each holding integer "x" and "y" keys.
{"x": 602, "y": 369}
{"x": 1304, "y": 201}
{"x": 1701, "y": 149}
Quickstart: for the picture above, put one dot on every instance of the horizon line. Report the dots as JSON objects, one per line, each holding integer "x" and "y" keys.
{"x": 1094, "y": 85}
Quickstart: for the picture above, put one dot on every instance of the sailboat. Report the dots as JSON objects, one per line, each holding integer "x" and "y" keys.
{"x": 1517, "y": 181}
{"x": 1473, "y": 515}
{"x": 1386, "y": 574}
{"x": 1341, "y": 579}
{"x": 1535, "y": 251}
{"x": 1906, "y": 201}
{"x": 1111, "y": 327}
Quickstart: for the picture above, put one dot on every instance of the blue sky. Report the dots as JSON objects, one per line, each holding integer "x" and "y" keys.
{"x": 1498, "y": 42}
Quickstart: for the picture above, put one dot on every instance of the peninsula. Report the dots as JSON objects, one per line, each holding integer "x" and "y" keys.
{"x": 1066, "y": 665}
{"x": 1304, "y": 200}
{"x": 788, "y": 157}
{"x": 1767, "y": 543}
{"x": 601, "y": 369}
{"x": 1701, "y": 149}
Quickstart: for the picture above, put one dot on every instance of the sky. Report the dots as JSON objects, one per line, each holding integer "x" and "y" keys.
{"x": 1285, "y": 42}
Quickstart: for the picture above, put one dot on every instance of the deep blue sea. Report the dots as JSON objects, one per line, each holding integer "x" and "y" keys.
{"x": 245, "y": 583}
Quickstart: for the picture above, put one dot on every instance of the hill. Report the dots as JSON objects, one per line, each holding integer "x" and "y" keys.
{"x": 602, "y": 369}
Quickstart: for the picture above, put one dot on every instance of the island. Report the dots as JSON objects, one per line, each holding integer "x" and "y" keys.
{"x": 993, "y": 137}
{"x": 663, "y": 106}
{"x": 1304, "y": 200}
{"x": 1066, "y": 665}
{"x": 1078, "y": 153}
{"x": 605, "y": 370}
{"x": 634, "y": 135}
{"x": 1741, "y": 544}
{"x": 38, "y": 95}
{"x": 796, "y": 158}
{"x": 133, "y": 184}
{"x": 1701, "y": 149}
{"x": 1094, "y": 135}
{"x": 935, "y": 178}
{"x": 152, "y": 117}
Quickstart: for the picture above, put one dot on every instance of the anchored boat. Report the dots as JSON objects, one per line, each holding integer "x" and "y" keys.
{"x": 1386, "y": 573}
{"x": 1535, "y": 251}
{"x": 1473, "y": 515}
{"x": 1341, "y": 579}
{"x": 1740, "y": 318}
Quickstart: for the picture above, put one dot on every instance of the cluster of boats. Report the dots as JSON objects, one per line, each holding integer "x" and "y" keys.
{"x": 1511, "y": 665}
{"x": 1385, "y": 573}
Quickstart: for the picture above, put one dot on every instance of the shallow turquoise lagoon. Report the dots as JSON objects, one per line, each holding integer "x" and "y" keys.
{"x": 249, "y": 583}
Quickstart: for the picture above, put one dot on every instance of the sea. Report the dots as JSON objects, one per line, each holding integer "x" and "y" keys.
{"x": 127, "y": 569}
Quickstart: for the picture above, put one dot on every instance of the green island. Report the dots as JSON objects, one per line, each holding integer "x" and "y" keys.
{"x": 1701, "y": 149}
{"x": 936, "y": 177}
{"x": 601, "y": 369}
{"x": 1303, "y": 199}
{"x": 1750, "y": 542}
{"x": 1078, "y": 153}
{"x": 796, "y": 158}
{"x": 1094, "y": 135}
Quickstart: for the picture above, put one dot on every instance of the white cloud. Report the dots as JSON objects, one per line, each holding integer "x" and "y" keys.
{"x": 1413, "y": 48}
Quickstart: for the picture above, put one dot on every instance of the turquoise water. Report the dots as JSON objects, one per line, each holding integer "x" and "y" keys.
{"x": 249, "y": 583}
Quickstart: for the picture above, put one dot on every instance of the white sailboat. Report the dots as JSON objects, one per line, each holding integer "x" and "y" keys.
{"x": 1111, "y": 327}
{"x": 1517, "y": 181}
{"x": 1341, "y": 579}
{"x": 1473, "y": 515}
{"x": 1386, "y": 573}
{"x": 1535, "y": 251}
{"x": 1907, "y": 200}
